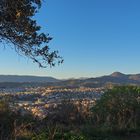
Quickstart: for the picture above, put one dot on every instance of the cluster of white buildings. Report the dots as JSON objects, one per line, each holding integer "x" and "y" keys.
{"x": 39, "y": 100}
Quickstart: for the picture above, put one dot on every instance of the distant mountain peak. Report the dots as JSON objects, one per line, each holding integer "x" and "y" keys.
{"x": 117, "y": 74}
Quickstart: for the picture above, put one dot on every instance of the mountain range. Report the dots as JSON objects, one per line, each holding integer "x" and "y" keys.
{"x": 115, "y": 78}
{"x": 107, "y": 80}
{"x": 23, "y": 79}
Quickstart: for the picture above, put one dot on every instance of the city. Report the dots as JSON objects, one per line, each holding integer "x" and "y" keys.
{"x": 38, "y": 101}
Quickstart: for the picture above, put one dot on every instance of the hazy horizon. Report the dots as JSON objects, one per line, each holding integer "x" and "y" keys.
{"x": 94, "y": 76}
{"x": 95, "y": 38}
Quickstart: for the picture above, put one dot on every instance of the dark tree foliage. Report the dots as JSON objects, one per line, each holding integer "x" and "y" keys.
{"x": 119, "y": 109}
{"x": 17, "y": 27}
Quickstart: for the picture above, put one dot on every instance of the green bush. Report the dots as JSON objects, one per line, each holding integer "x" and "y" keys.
{"x": 58, "y": 135}
{"x": 118, "y": 109}
{"x": 66, "y": 113}
{"x": 13, "y": 125}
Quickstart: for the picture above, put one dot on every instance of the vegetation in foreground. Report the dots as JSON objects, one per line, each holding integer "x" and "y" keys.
{"x": 114, "y": 117}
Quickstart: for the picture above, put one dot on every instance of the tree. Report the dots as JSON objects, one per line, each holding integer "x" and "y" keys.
{"x": 18, "y": 28}
{"x": 14, "y": 125}
{"x": 119, "y": 108}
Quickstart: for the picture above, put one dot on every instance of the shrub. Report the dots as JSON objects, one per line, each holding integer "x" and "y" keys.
{"x": 66, "y": 113}
{"x": 13, "y": 125}
{"x": 118, "y": 109}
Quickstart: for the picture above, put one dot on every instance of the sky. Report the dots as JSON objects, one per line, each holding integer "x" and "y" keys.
{"x": 95, "y": 37}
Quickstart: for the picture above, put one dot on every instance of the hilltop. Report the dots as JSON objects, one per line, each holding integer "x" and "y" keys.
{"x": 116, "y": 78}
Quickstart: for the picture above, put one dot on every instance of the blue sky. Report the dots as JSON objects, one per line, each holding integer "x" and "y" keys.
{"x": 95, "y": 37}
